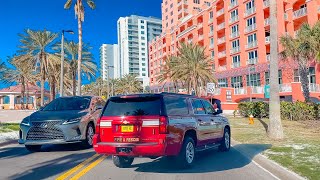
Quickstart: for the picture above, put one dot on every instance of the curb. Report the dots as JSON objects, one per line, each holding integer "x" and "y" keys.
{"x": 9, "y": 142}
{"x": 268, "y": 165}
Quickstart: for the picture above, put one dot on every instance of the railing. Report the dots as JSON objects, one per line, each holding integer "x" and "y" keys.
{"x": 211, "y": 33}
{"x": 235, "y": 65}
{"x": 220, "y": 12}
{"x": 223, "y": 68}
{"x": 233, "y": 4}
{"x": 200, "y": 25}
{"x": 267, "y": 22}
{"x": 186, "y": 31}
{"x": 234, "y": 50}
{"x": 221, "y": 54}
{"x": 267, "y": 39}
{"x": 251, "y": 28}
{"x": 313, "y": 87}
{"x": 252, "y": 61}
{"x": 210, "y": 20}
{"x": 257, "y": 89}
{"x": 266, "y": 3}
{"x": 268, "y": 57}
{"x": 221, "y": 26}
{"x": 233, "y": 19}
{"x": 200, "y": 37}
{"x": 234, "y": 34}
{"x": 250, "y": 11}
{"x": 299, "y": 13}
{"x": 239, "y": 91}
{"x": 252, "y": 44}
{"x": 285, "y": 88}
{"x": 221, "y": 40}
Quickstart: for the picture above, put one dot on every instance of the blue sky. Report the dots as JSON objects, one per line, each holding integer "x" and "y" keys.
{"x": 100, "y": 25}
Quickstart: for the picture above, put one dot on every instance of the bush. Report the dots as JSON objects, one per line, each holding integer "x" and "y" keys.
{"x": 296, "y": 111}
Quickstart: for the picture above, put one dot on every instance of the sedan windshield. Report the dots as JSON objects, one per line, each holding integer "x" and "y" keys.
{"x": 65, "y": 104}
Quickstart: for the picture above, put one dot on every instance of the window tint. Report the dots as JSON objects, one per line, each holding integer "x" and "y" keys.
{"x": 64, "y": 104}
{"x": 176, "y": 105}
{"x": 198, "y": 107}
{"x": 133, "y": 106}
{"x": 207, "y": 106}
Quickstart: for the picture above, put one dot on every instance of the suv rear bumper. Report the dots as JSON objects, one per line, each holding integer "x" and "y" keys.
{"x": 136, "y": 149}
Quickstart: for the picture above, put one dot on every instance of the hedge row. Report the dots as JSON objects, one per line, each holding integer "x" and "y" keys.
{"x": 296, "y": 111}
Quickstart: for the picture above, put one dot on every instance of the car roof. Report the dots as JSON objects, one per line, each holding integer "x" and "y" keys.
{"x": 156, "y": 94}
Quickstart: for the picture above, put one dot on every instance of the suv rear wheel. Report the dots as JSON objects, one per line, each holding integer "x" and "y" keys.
{"x": 33, "y": 148}
{"x": 225, "y": 143}
{"x": 122, "y": 161}
{"x": 187, "y": 153}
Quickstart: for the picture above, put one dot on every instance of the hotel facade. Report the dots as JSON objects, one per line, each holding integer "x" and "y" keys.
{"x": 236, "y": 37}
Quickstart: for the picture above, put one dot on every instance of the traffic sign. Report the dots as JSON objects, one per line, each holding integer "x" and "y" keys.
{"x": 211, "y": 87}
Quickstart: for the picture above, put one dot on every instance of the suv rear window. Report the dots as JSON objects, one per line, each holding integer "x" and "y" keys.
{"x": 176, "y": 105}
{"x": 133, "y": 106}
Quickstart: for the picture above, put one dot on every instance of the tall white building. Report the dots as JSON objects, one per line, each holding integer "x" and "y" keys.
{"x": 109, "y": 60}
{"x": 134, "y": 33}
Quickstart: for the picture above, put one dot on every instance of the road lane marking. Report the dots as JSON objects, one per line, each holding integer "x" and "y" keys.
{"x": 76, "y": 168}
{"x": 88, "y": 168}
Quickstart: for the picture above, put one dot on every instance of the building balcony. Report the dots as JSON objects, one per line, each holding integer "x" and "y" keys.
{"x": 182, "y": 2}
{"x": 233, "y": 19}
{"x": 252, "y": 61}
{"x": 267, "y": 22}
{"x": 221, "y": 26}
{"x": 223, "y": 68}
{"x": 211, "y": 46}
{"x": 300, "y": 13}
{"x": 234, "y": 50}
{"x": 250, "y": 11}
{"x": 251, "y": 44}
{"x": 251, "y": 28}
{"x": 234, "y": 4}
{"x": 221, "y": 54}
{"x": 183, "y": 10}
{"x": 220, "y": 12}
{"x": 285, "y": 88}
{"x": 210, "y": 21}
{"x": 314, "y": 87}
{"x": 257, "y": 89}
{"x": 211, "y": 33}
{"x": 235, "y": 65}
{"x": 266, "y": 3}
{"x": 240, "y": 91}
{"x": 268, "y": 57}
{"x": 186, "y": 31}
{"x": 200, "y": 25}
{"x": 234, "y": 34}
{"x": 222, "y": 40}
{"x": 200, "y": 37}
{"x": 268, "y": 40}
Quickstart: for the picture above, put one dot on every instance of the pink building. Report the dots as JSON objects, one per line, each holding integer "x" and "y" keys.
{"x": 236, "y": 35}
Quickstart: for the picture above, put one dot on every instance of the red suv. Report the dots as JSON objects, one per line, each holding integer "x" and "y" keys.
{"x": 154, "y": 125}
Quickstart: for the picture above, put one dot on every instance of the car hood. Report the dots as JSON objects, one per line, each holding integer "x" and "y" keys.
{"x": 56, "y": 115}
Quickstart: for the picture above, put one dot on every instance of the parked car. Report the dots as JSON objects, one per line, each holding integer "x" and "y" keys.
{"x": 154, "y": 125}
{"x": 64, "y": 120}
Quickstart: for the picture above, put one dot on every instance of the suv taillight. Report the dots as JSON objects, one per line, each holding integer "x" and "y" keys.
{"x": 98, "y": 126}
{"x": 163, "y": 125}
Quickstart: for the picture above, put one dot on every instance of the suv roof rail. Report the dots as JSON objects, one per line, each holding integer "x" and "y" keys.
{"x": 169, "y": 93}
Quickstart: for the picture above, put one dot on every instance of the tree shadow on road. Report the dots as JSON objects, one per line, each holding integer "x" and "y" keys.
{"x": 208, "y": 161}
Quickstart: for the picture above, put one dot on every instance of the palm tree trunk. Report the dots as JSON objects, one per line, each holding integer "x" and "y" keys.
{"x": 23, "y": 90}
{"x": 74, "y": 83}
{"x": 303, "y": 71}
{"x": 43, "y": 78}
{"x": 52, "y": 89}
{"x": 27, "y": 95}
{"x": 79, "y": 52}
{"x": 275, "y": 130}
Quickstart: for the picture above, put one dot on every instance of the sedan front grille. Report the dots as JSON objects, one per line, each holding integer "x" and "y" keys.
{"x": 47, "y": 130}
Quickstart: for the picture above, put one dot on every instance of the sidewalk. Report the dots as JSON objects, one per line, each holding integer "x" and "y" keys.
{"x": 14, "y": 116}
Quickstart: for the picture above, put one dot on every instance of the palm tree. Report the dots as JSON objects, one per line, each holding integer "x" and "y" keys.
{"x": 275, "y": 130}
{"x": 128, "y": 84}
{"x": 79, "y": 12}
{"x": 193, "y": 67}
{"x": 38, "y": 44}
{"x": 302, "y": 50}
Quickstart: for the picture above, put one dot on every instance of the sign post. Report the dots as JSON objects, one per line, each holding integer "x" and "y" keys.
{"x": 211, "y": 87}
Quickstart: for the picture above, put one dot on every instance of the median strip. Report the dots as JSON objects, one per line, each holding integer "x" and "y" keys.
{"x": 88, "y": 168}
{"x": 76, "y": 168}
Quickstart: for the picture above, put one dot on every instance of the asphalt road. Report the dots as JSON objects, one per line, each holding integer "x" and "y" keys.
{"x": 72, "y": 161}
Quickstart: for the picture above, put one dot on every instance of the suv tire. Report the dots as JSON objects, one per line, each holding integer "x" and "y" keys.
{"x": 33, "y": 148}
{"x": 89, "y": 136}
{"x": 225, "y": 142}
{"x": 122, "y": 161}
{"x": 187, "y": 153}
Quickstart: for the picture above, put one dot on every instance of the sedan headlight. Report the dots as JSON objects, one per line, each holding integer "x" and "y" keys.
{"x": 70, "y": 121}
{"x": 26, "y": 121}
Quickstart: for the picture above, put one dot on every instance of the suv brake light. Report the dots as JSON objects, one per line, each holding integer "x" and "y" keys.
{"x": 163, "y": 125}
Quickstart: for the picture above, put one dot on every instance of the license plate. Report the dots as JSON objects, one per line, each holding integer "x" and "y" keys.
{"x": 127, "y": 128}
{"x": 120, "y": 139}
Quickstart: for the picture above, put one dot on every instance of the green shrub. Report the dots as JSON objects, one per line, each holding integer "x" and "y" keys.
{"x": 296, "y": 111}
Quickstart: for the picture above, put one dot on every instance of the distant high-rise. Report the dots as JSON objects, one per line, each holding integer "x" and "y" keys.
{"x": 109, "y": 61}
{"x": 134, "y": 33}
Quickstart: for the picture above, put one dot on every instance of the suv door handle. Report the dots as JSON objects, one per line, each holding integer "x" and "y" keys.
{"x": 201, "y": 122}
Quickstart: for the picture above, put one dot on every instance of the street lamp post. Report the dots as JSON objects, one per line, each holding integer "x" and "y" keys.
{"x": 62, "y": 60}
{"x": 108, "y": 89}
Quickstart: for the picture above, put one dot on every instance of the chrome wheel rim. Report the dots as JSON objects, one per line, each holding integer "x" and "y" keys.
{"x": 227, "y": 139}
{"x": 189, "y": 152}
{"x": 90, "y": 135}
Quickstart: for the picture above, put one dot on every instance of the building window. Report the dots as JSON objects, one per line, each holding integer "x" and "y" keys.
{"x": 234, "y": 13}
{"x": 236, "y": 82}
{"x": 311, "y": 75}
{"x": 143, "y": 49}
{"x": 143, "y": 54}
{"x": 235, "y": 28}
{"x": 143, "y": 69}
{"x": 142, "y": 27}
{"x": 143, "y": 74}
{"x": 171, "y": 13}
{"x": 171, "y": 21}
{"x": 211, "y": 15}
{"x": 252, "y": 38}
{"x": 267, "y": 77}
{"x": 166, "y": 9}
{"x": 212, "y": 54}
{"x": 142, "y": 32}
{"x": 6, "y": 100}
{"x": 236, "y": 43}
{"x": 196, "y": 1}
{"x": 142, "y": 21}
{"x": 143, "y": 64}
{"x": 211, "y": 41}
{"x": 171, "y": 5}
{"x": 253, "y": 54}
{"x": 250, "y": 5}
{"x": 254, "y": 80}
{"x": 143, "y": 59}
{"x": 236, "y": 61}
{"x": 251, "y": 21}
{"x": 207, "y": 3}
{"x": 143, "y": 38}
{"x": 223, "y": 82}
{"x": 143, "y": 44}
